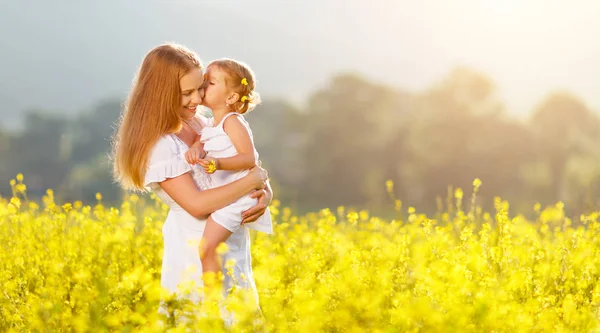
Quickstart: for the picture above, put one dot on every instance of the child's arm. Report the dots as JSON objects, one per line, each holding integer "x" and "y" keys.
{"x": 239, "y": 136}
{"x": 196, "y": 152}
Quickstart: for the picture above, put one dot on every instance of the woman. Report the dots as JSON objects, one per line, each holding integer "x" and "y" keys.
{"x": 157, "y": 127}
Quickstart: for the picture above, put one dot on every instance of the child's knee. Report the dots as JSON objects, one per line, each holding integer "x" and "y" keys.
{"x": 208, "y": 249}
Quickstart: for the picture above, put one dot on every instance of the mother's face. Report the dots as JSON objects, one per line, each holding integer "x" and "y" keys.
{"x": 192, "y": 92}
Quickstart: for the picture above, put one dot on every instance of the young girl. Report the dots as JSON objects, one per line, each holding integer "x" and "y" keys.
{"x": 227, "y": 141}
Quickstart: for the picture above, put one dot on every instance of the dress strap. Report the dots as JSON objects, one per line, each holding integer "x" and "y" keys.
{"x": 225, "y": 117}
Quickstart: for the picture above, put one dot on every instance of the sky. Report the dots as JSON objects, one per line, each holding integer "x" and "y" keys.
{"x": 527, "y": 47}
{"x": 65, "y": 56}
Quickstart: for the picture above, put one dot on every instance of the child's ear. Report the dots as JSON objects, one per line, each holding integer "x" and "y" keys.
{"x": 233, "y": 98}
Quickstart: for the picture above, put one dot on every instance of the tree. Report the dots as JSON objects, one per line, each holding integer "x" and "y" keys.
{"x": 39, "y": 152}
{"x": 458, "y": 131}
{"x": 563, "y": 123}
{"x": 343, "y": 153}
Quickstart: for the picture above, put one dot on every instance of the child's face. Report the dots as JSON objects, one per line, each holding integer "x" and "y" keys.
{"x": 216, "y": 91}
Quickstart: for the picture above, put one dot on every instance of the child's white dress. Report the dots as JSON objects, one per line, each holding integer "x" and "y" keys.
{"x": 218, "y": 145}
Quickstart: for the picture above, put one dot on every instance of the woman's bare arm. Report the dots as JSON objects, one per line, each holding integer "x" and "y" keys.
{"x": 199, "y": 203}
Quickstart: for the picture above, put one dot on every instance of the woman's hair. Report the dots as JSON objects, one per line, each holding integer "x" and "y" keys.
{"x": 151, "y": 111}
{"x": 240, "y": 79}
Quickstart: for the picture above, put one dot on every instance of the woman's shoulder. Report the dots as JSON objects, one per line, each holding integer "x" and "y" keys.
{"x": 165, "y": 142}
{"x": 165, "y": 161}
{"x": 164, "y": 148}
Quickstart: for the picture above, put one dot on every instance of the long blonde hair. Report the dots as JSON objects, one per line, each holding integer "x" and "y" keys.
{"x": 151, "y": 111}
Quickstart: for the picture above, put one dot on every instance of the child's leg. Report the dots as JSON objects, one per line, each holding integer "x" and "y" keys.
{"x": 214, "y": 234}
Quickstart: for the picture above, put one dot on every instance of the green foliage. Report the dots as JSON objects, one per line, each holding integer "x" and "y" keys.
{"x": 349, "y": 138}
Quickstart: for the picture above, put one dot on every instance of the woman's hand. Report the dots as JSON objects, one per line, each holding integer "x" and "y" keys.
{"x": 264, "y": 197}
{"x": 258, "y": 176}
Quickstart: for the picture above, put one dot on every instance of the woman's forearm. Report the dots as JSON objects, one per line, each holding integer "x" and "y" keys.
{"x": 199, "y": 203}
{"x": 219, "y": 197}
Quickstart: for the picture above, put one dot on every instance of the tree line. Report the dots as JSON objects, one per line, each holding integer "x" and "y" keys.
{"x": 349, "y": 139}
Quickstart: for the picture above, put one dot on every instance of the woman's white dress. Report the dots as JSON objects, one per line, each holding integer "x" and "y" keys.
{"x": 181, "y": 266}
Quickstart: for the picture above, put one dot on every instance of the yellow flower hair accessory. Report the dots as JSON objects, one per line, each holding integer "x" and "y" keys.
{"x": 244, "y": 81}
{"x": 244, "y": 98}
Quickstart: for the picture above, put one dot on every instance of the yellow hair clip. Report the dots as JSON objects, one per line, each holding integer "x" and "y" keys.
{"x": 244, "y": 98}
{"x": 244, "y": 81}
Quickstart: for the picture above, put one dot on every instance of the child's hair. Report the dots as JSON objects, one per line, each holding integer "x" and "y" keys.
{"x": 242, "y": 81}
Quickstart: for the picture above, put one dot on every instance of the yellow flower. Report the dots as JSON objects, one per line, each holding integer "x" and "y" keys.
{"x": 134, "y": 198}
{"x": 340, "y": 210}
{"x": 352, "y": 218}
{"x": 98, "y": 196}
{"x": 20, "y": 177}
{"x": 212, "y": 166}
{"x": 364, "y": 215}
{"x": 21, "y": 188}
{"x": 418, "y": 266}
{"x": 244, "y": 99}
{"x": 13, "y": 182}
{"x": 230, "y": 263}
{"x": 244, "y": 81}
{"x": 458, "y": 193}
{"x": 15, "y": 202}
{"x": 389, "y": 184}
{"x": 397, "y": 205}
{"x": 67, "y": 207}
{"x": 222, "y": 249}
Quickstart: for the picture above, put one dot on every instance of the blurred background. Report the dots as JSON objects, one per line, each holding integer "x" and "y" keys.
{"x": 428, "y": 94}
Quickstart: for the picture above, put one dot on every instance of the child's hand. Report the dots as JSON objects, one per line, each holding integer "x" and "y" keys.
{"x": 195, "y": 154}
{"x": 209, "y": 164}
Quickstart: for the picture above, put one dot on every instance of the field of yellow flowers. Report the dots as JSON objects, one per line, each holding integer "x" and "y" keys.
{"x": 70, "y": 267}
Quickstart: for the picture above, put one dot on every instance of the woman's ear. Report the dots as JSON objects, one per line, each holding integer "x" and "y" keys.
{"x": 233, "y": 98}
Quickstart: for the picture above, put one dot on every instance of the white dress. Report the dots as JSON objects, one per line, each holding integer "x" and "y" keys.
{"x": 217, "y": 144}
{"x": 181, "y": 266}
